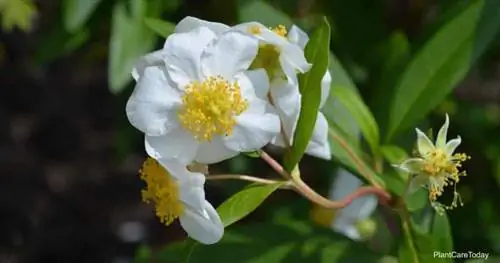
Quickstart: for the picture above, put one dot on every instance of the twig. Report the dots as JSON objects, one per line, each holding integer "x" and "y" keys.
{"x": 274, "y": 164}
{"x": 286, "y": 185}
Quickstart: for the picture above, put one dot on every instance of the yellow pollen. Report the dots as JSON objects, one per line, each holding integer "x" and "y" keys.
{"x": 161, "y": 190}
{"x": 210, "y": 107}
{"x": 280, "y": 30}
{"x": 254, "y": 30}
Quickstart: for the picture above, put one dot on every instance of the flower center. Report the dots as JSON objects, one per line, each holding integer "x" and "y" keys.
{"x": 268, "y": 59}
{"x": 161, "y": 190}
{"x": 210, "y": 107}
{"x": 444, "y": 171}
{"x": 280, "y": 30}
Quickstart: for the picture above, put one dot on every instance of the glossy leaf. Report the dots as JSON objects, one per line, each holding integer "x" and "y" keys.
{"x": 441, "y": 233}
{"x": 77, "y": 12}
{"x": 244, "y": 202}
{"x": 362, "y": 115}
{"x": 442, "y": 63}
{"x": 316, "y": 53}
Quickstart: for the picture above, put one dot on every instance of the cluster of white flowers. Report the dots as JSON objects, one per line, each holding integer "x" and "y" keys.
{"x": 213, "y": 92}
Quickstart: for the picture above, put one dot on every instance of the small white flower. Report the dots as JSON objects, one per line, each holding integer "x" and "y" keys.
{"x": 195, "y": 99}
{"x": 436, "y": 165}
{"x": 354, "y": 219}
{"x": 178, "y": 193}
{"x": 287, "y": 98}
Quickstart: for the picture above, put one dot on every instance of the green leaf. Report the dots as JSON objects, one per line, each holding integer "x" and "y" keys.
{"x": 268, "y": 242}
{"x": 441, "y": 233}
{"x": 417, "y": 200}
{"x": 350, "y": 156}
{"x": 130, "y": 39}
{"x": 142, "y": 254}
{"x": 395, "y": 179}
{"x": 417, "y": 246}
{"x": 316, "y": 52}
{"x": 264, "y": 13}
{"x": 58, "y": 43}
{"x": 244, "y": 202}
{"x": 364, "y": 118}
{"x": 442, "y": 63}
{"x": 77, "y": 12}
{"x": 162, "y": 28}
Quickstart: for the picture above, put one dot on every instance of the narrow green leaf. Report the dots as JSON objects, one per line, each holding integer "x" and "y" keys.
{"x": 130, "y": 39}
{"x": 316, "y": 52}
{"x": 244, "y": 202}
{"x": 362, "y": 115}
{"x": 350, "y": 156}
{"x": 77, "y": 12}
{"x": 59, "y": 43}
{"x": 417, "y": 246}
{"x": 161, "y": 27}
{"x": 441, "y": 233}
{"x": 442, "y": 63}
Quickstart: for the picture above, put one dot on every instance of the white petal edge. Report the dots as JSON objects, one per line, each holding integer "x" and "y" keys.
{"x": 253, "y": 83}
{"x": 412, "y": 165}
{"x": 189, "y": 23}
{"x": 150, "y": 107}
{"x": 184, "y": 54}
{"x": 348, "y": 229}
{"x": 204, "y": 226}
{"x": 294, "y": 55}
{"x": 326, "y": 84}
{"x": 452, "y": 145}
{"x": 176, "y": 144}
{"x": 298, "y": 36}
{"x": 156, "y": 58}
{"x": 319, "y": 145}
{"x": 442, "y": 134}
{"x": 252, "y": 131}
{"x": 231, "y": 53}
{"x": 417, "y": 182}
{"x": 424, "y": 145}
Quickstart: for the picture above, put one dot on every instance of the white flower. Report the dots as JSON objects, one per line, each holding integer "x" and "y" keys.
{"x": 353, "y": 220}
{"x": 195, "y": 99}
{"x": 436, "y": 166}
{"x": 276, "y": 53}
{"x": 287, "y": 98}
{"x": 178, "y": 193}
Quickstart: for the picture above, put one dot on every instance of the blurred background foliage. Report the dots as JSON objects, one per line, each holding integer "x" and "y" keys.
{"x": 69, "y": 190}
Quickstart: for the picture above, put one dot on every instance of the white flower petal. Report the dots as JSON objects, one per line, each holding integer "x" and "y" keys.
{"x": 184, "y": 54}
{"x": 441, "y": 137}
{"x": 229, "y": 54}
{"x": 156, "y": 58}
{"x": 344, "y": 184}
{"x": 318, "y": 145}
{"x": 417, "y": 182}
{"x": 189, "y": 23}
{"x": 452, "y": 145}
{"x": 412, "y": 165}
{"x": 289, "y": 70}
{"x": 204, "y": 226}
{"x": 253, "y": 83}
{"x": 150, "y": 107}
{"x": 348, "y": 229}
{"x": 176, "y": 144}
{"x": 286, "y": 97}
{"x": 252, "y": 131}
{"x": 214, "y": 152}
{"x": 265, "y": 35}
{"x": 424, "y": 145}
{"x": 297, "y": 36}
{"x": 294, "y": 55}
{"x": 326, "y": 84}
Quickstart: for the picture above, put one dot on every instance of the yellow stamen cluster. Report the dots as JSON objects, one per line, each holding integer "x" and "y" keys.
{"x": 444, "y": 171}
{"x": 280, "y": 30}
{"x": 161, "y": 190}
{"x": 210, "y": 107}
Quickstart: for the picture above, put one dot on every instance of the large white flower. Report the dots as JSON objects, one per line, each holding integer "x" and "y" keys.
{"x": 195, "y": 99}
{"x": 178, "y": 193}
{"x": 287, "y": 98}
{"x": 353, "y": 220}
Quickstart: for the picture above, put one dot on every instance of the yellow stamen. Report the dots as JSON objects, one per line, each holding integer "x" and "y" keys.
{"x": 280, "y": 30}
{"x": 210, "y": 107}
{"x": 255, "y": 30}
{"x": 161, "y": 190}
